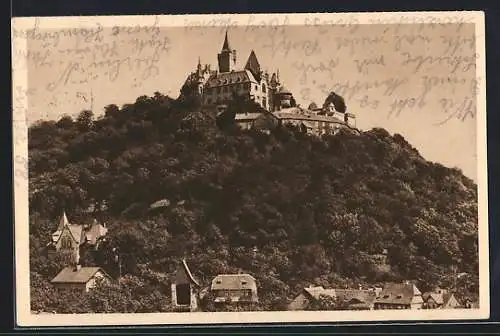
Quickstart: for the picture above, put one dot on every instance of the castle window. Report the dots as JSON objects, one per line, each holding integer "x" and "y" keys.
{"x": 256, "y": 88}
{"x": 263, "y": 87}
{"x": 264, "y": 102}
{"x": 247, "y": 86}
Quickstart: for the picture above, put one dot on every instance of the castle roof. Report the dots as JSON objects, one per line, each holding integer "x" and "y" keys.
{"x": 297, "y": 113}
{"x": 233, "y": 77}
{"x": 226, "y": 46}
{"x": 253, "y": 64}
{"x": 284, "y": 90}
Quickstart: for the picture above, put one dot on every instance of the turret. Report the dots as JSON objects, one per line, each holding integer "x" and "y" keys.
{"x": 227, "y": 57}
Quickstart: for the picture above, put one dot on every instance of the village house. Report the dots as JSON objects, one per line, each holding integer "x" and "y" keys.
{"x": 352, "y": 299}
{"x": 399, "y": 296}
{"x": 234, "y": 288}
{"x": 440, "y": 299}
{"x": 80, "y": 278}
{"x": 68, "y": 238}
{"x": 185, "y": 289}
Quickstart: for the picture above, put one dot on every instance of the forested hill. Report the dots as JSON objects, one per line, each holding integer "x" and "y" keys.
{"x": 289, "y": 208}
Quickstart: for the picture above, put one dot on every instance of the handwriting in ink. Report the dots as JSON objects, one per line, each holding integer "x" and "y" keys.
{"x": 363, "y": 64}
{"x": 464, "y": 63}
{"x": 462, "y": 110}
{"x": 305, "y": 68}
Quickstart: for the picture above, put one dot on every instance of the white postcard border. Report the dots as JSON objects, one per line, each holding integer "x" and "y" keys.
{"x": 22, "y": 288}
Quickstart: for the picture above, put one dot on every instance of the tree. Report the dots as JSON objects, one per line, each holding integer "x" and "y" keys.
{"x": 312, "y": 106}
{"x": 85, "y": 120}
{"x": 338, "y": 102}
{"x": 286, "y": 206}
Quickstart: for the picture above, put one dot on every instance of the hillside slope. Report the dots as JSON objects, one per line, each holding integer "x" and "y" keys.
{"x": 289, "y": 208}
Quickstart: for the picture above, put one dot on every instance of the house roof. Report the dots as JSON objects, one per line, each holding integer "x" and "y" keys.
{"x": 234, "y": 281}
{"x": 95, "y": 232}
{"x": 63, "y": 221}
{"x": 188, "y": 272}
{"x": 233, "y": 77}
{"x": 56, "y": 235}
{"x": 317, "y": 291}
{"x": 82, "y": 275}
{"x": 246, "y": 116}
{"x": 297, "y": 113}
{"x": 76, "y": 231}
{"x": 399, "y": 293}
{"x": 357, "y": 296}
{"x": 441, "y": 298}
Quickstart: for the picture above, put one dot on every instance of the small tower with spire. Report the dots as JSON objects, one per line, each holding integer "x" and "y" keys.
{"x": 227, "y": 57}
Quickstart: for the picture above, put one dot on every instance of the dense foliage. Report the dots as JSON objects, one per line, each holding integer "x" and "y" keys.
{"x": 289, "y": 208}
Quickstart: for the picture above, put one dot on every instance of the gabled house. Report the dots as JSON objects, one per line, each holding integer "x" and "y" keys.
{"x": 70, "y": 237}
{"x": 308, "y": 295}
{"x": 185, "y": 289}
{"x": 351, "y": 299}
{"x": 232, "y": 288}
{"x": 399, "y": 296}
{"x": 440, "y": 299}
{"x": 77, "y": 277}
{"x": 357, "y": 299}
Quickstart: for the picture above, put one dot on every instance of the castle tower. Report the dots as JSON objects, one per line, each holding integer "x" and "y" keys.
{"x": 254, "y": 66}
{"x": 227, "y": 57}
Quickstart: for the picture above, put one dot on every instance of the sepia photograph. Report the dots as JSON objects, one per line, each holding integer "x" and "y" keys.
{"x": 250, "y": 168}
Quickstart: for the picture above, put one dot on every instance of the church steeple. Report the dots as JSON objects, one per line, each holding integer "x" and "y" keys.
{"x": 227, "y": 56}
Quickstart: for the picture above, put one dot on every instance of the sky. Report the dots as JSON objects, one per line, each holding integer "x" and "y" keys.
{"x": 417, "y": 80}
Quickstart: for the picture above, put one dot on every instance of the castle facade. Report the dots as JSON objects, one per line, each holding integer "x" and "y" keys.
{"x": 216, "y": 88}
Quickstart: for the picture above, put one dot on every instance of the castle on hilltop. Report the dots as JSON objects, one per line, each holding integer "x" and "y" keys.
{"x": 217, "y": 87}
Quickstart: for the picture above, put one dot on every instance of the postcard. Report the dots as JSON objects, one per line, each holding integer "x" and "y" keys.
{"x": 250, "y": 168}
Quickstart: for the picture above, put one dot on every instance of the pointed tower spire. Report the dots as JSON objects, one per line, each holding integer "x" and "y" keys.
{"x": 64, "y": 221}
{"x": 198, "y": 66}
{"x": 226, "y": 46}
{"x": 253, "y": 65}
{"x": 227, "y": 57}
